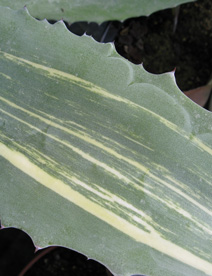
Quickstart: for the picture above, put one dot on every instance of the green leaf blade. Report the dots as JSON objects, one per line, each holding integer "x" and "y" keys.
{"x": 102, "y": 156}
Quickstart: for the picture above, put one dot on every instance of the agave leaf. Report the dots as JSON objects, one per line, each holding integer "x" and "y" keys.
{"x": 100, "y": 156}
{"x": 91, "y": 10}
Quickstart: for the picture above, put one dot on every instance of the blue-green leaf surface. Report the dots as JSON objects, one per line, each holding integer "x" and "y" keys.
{"x": 91, "y": 10}
{"x": 100, "y": 156}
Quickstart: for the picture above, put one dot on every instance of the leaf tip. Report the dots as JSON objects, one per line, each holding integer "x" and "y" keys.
{"x": 172, "y": 74}
{"x": 174, "y": 70}
{"x": 25, "y": 9}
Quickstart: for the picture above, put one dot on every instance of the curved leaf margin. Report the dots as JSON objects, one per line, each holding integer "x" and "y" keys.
{"x": 142, "y": 192}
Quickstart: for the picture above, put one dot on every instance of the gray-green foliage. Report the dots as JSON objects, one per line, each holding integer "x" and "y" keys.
{"x": 100, "y": 156}
{"x": 91, "y": 10}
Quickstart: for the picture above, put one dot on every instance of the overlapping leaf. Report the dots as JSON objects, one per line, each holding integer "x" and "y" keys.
{"x": 100, "y": 156}
{"x": 91, "y": 10}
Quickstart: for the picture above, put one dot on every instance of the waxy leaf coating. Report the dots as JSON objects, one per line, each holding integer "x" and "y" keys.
{"x": 91, "y": 10}
{"x": 98, "y": 155}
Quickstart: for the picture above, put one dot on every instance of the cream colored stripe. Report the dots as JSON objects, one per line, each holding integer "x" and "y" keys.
{"x": 5, "y": 76}
{"x": 152, "y": 239}
{"x": 51, "y": 72}
{"x": 102, "y": 147}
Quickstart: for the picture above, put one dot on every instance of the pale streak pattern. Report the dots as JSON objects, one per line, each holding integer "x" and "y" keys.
{"x": 151, "y": 239}
{"x": 155, "y": 238}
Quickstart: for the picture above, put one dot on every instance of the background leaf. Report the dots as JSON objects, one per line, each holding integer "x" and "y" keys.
{"x": 91, "y": 10}
{"x": 100, "y": 156}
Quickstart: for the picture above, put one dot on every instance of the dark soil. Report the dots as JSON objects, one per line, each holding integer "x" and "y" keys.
{"x": 174, "y": 39}
{"x": 169, "y": 39}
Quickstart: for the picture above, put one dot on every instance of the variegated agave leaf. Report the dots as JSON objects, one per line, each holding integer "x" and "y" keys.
{"x": 100, "y": 156}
